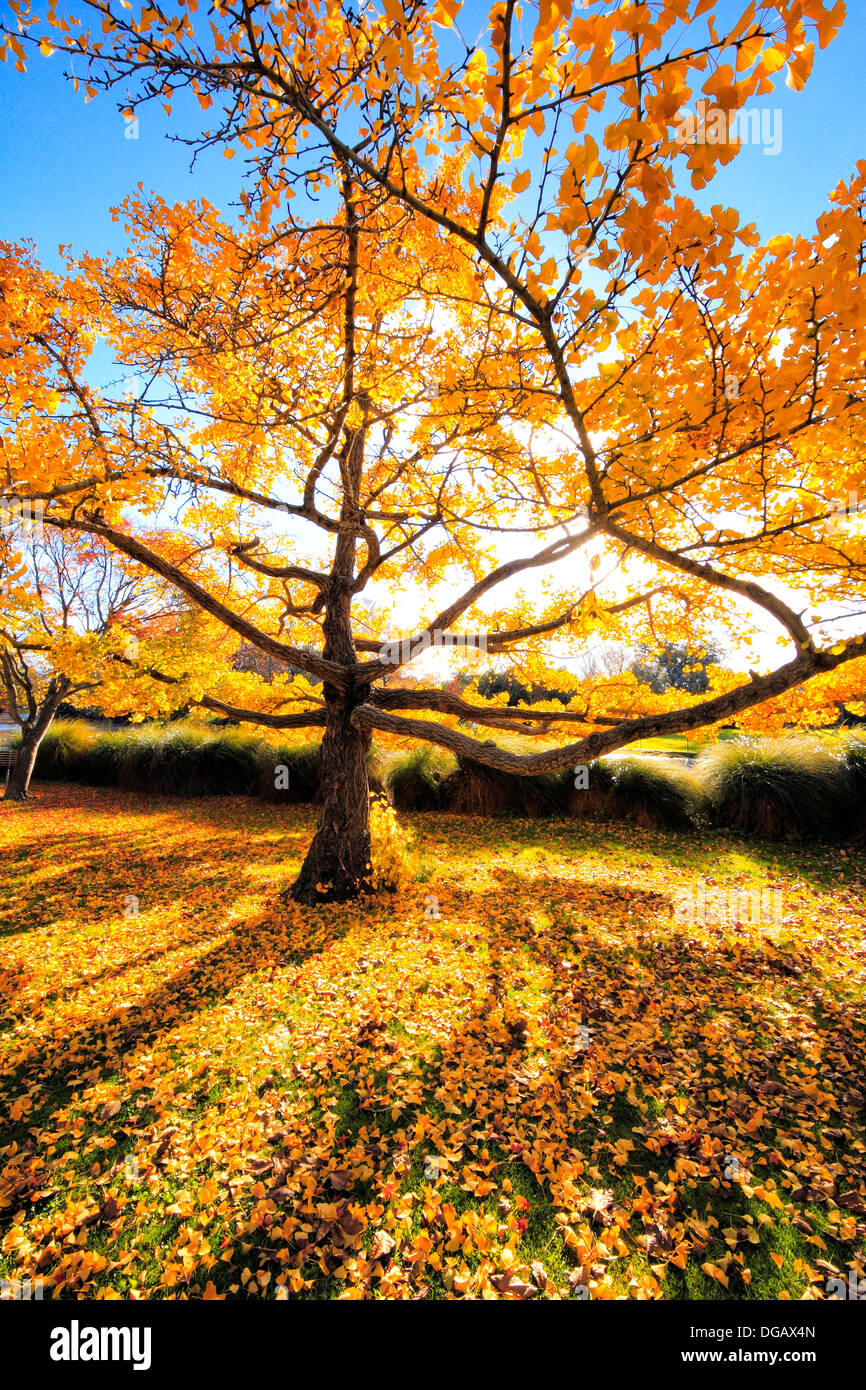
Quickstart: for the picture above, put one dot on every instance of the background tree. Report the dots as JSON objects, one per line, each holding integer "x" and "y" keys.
{"x": 495, "y": 682}
{"x": 678, "y": 666}
{"x": 606, "y": 658}
{"x": 71, "y": 609}
{"x": 469, "y": 300}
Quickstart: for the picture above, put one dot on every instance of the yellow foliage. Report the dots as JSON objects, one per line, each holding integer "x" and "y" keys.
{"x": 392, "y": 853}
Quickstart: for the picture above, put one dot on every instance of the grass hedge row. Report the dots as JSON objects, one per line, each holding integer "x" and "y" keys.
{"x": 182, "y": 759}
{"x": 791, "y": 787}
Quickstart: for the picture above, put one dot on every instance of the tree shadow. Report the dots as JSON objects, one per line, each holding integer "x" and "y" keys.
{"x": 485, "y": 1101}
{"x": 13, "y": 982}
{"x": 191, "y": 864}
{"x": 821, "y": 864}
{"x": 56, "y": 1069}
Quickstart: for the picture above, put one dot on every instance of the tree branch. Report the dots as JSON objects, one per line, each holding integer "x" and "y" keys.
{"x": 627, "y": 731}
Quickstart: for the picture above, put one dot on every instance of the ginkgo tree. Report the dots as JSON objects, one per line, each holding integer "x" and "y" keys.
{"x": 31, "y": 690}
{"x": 75, "y": 617}
{"x": 468, "y": 300}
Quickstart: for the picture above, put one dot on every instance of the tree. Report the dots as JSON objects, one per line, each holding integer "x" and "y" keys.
{"x": 468, "y": 299}
{"x": 71, "y": 609}
{"x": 677, "y": 666}
{"x": 495, "y": 682}
{"x": 608, "y": 659}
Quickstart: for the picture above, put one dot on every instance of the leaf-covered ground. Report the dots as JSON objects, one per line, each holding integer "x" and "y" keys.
{"x": 551, "y": 1089}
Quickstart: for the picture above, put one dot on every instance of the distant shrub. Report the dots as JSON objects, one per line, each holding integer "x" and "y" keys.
{"x": 477, "y": 790}
{"x": 854, "y": 752}
{"x": 656, "y": 792}
{"x": 377, "y": 768}
{"x": 596, "y": 799}
{"x": 62, "y": 750}
{"x": 417, "y": 780}
{"x": 108, "y": 761}
{"x": 301, "y": 763}
{"x": 227, "y": 763}
{"x": 166, "y": 761}
{"x": 182, "y": 758}
{"x": 779, "y": 788}
{"x": 795, "y": 786}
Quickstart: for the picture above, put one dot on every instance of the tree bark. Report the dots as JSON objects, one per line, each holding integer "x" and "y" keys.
{"x": 18, "y": 786}
{"x": 337, "y": 866}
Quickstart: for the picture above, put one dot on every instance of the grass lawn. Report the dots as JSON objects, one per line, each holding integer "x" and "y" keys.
{"x": 668, "y": 743}
{"x": 551, "y": 1089}
{"x": 681, "y": 743}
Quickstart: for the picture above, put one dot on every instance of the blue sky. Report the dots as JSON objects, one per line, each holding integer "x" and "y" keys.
{"x": 64, "y": 163}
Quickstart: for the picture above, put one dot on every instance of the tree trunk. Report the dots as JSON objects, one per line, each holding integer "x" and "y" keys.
{"x": 337, "y": 866}
{"x": 19, "y": 776}
{"x": 32, "y": 735}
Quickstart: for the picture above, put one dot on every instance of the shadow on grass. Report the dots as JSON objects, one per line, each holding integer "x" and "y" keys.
{"x": 60, "y": 1069}
{"x": 157, "y": 858}
{"x": 493, "y": 1103}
